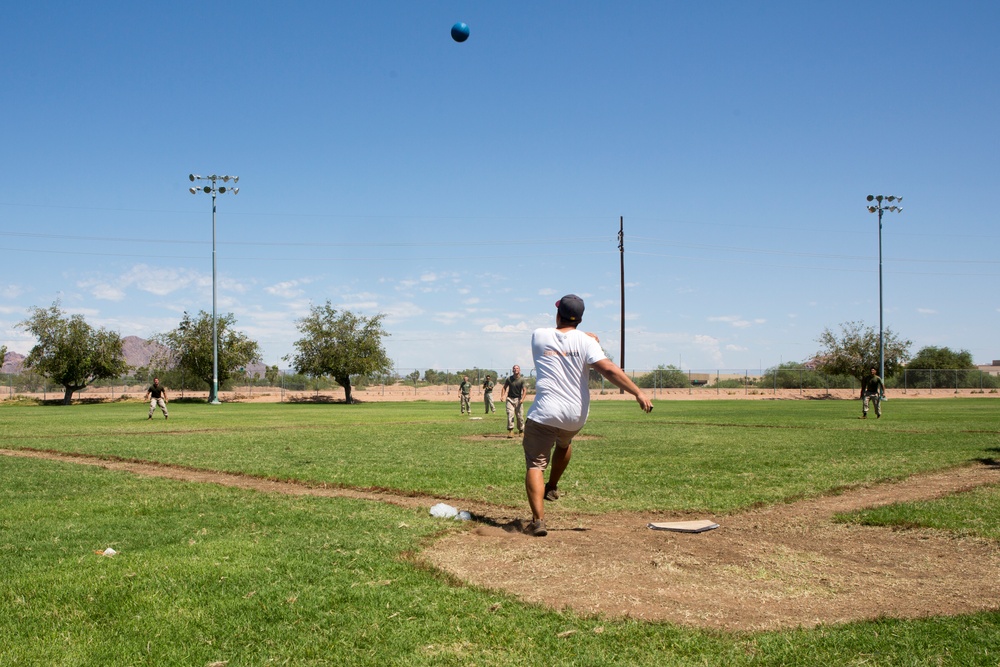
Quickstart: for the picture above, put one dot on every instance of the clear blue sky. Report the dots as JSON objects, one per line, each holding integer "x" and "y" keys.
{"x": 461, "y": 188}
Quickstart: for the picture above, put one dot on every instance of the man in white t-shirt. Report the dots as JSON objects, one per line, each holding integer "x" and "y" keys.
{"x": 563, "y": 358}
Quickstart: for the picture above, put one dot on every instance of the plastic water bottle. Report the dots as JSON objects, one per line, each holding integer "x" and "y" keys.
{"x": 443, "y": 511}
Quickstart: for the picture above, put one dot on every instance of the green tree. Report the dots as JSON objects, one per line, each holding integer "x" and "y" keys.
{"x": 941, "y": 358}
{"x": 3, "y": 354}
{"x": 70, "y": 352}
{"x": 855, "y": 351}
{"x": 920, "y": 369}
{"x": 793, "y": 375}
{"x": 664, "y": 377}
{"x": 190, "y": 348}
{"x": 340, "y": 345}
{"x": 272, "y": 375}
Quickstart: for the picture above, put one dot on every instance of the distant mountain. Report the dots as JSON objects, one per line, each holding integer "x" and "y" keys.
{"x": 12, "y": 363}
{"x": 138, "y": 352}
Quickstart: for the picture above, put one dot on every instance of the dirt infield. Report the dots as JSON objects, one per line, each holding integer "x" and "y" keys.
{"x": 782, "y": 566}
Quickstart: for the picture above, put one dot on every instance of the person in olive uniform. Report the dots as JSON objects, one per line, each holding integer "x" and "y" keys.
{"x": 464, "y": 393}
{"x": 513, "y": 395}
{"x": 488, "y": 385}
{"x": 157, "y": 396}
{"x": 872, "y": 388}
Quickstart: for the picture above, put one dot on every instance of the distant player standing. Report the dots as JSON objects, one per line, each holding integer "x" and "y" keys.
{"x": 464, "y": 393}
{"x": 513, "y": 394}
{"x": 563, "y": 357}
{"x": 488, "y": 385}
{"x": 872, "y": 388}
{"x": 157, "y": 396}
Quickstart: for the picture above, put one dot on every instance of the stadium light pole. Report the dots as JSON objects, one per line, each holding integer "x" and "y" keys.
{"x": 214, "y": 189}
{"x": 877, "y": 207}
{"x": 621, "y": 255}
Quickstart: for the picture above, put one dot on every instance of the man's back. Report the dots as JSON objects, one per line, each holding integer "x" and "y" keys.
{"x": 562, "y": 359}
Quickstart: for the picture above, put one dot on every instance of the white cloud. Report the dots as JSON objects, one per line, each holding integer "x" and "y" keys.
{"x": 926, "y": 311}
{"x": 108, "y": 292}
{"x": 288, "y": 289}
{"x": 11, "y": 291}
{"x": 710, "y": 346}
{"x": 520, "y": 327}
{"x": 546, "y": 291}
{"x": 100, "y": 289}
{"x": 736, "y": 321}
{"x": 403, "y": 309}
{"x": 359, "y": 305}
{"x": 735, "y": 348}
{"x": 447, "y": 317}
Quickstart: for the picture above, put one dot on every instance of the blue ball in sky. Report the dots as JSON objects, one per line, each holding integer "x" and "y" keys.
{"x": 460, "y": 32}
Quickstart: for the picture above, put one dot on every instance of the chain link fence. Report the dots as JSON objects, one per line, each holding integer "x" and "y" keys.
{"x": 405, "y": 383}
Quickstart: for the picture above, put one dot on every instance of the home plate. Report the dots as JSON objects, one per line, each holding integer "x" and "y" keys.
{"x": 685, "y": 526}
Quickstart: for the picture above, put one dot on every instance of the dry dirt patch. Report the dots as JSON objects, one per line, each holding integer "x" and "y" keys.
{"x": 781, "y": 566}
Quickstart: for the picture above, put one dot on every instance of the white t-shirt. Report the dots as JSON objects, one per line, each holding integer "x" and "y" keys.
{"x": 562, "y": 363}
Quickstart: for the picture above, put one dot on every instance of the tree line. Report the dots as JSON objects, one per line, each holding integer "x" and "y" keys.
{"x": 346, "y": 348}
{"x": 334, "y": 344}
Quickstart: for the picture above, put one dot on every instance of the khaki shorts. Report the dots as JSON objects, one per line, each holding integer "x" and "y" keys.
{"x": 538, "y": 441}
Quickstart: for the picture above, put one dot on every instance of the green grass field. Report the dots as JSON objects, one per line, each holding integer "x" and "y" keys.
{"x": 210, "y": 575}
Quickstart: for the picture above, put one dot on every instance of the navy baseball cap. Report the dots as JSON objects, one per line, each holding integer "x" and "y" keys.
{"x": 570, "y": 308}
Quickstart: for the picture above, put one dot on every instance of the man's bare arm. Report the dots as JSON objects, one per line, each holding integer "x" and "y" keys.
{"x": 617, "y": 376}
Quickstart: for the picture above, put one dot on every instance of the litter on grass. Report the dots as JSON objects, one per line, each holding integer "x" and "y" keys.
{"x": 109, "y": 552}
{"x": 445, "y": 511}
{"x": 685, "y": 526}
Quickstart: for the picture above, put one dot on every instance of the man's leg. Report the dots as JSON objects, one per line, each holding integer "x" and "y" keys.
{"x": 520, "y": 416}
{"x": 163, "y": 409}
{"x": 878, "y": 406}
{"x": 537, "y": 444}
{"x": 864, "y": 406}
{"x": 152, "y": 407}
{"x": 560, "y": 459}
{"x": 534, "y": 484}
{"x": 509, "y": 406}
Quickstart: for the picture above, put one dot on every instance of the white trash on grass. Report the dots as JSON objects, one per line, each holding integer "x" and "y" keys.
{"x": 445, "y": 511}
